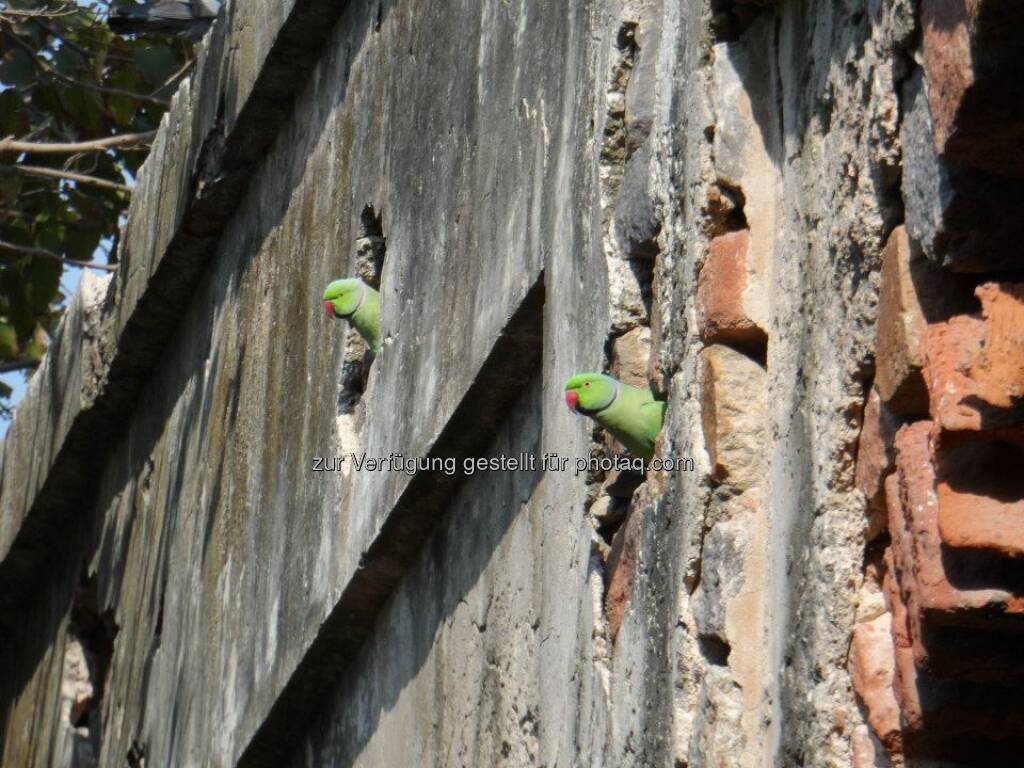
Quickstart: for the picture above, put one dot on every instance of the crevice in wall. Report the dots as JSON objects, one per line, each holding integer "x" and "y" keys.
{"x": 370, "y": 250}
{"x": 630, "y": 222}
{"x": 714, "y": 650}
{"x": 724, "y": 209}
{"x": 89, "y": 649}
{"x": 136, "y": 756}
{"x": 631, "y": 244}
{"x": 730, "y": 18}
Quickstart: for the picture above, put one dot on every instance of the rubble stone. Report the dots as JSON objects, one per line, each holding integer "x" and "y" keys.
{"x": 733, "y": 415}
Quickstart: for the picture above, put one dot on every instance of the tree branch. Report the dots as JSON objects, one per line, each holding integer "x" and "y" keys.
{"x": 177, "y": 75}
{"x": 55, "y": 13}
{"x": 70, "y": 148}
{"x": 44, "y": 67}
{"x": 81, "y": 178}
{"x": 43, "y": 253}
{"x": 11, "y": 366}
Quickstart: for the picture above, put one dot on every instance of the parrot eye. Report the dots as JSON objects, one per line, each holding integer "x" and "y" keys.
{"x": 586, "y": 384}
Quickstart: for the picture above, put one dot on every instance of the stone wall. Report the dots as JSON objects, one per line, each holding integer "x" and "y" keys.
{"x": 706, "y": 196}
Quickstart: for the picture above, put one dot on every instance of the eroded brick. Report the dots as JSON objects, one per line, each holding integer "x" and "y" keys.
{"x": 981, "y": 494}
{"x": 999, "y": 367}
{"x": 947, "y": 587}
{"x": 873, "y": 669}
{"x": 961, "y": 379}
{"x": 724, "y": 293}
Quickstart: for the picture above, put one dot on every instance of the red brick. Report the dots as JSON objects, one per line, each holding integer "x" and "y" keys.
{"x": 722, "y": 311}
{"x": 999, "y": 368}
{"x": 973, "y": 69}
{"x": 621, "y": 566}
{"x": 926, "y": 573}
{"x": 872, "y": 670}
{"x": 979, "y": 723}
{"x": 874, "y": 459}
{"x": 964, "y": 376}
{"x": 949, "y": 352}
{"x": 981, "y": 494}
{"x": 979, "y": 652}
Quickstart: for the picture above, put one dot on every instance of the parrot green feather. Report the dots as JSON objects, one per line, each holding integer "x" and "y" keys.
{"x": 353, "y": 300}
{"x": 629, "y": 413}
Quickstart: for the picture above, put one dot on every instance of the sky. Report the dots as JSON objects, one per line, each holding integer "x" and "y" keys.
{"x": 18, "y": 381}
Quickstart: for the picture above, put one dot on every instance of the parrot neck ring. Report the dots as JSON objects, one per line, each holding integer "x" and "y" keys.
{"x": 359, "y": 304}
{"x": 611, "y": 401}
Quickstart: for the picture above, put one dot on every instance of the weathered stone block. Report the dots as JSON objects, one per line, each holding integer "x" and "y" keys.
{"x": 722, "y": 576}
{"x": 636, "y": 217}
{"x": 746, "y": 192}
{"x": 630, "y": 354}
{"x": 959, "y": 215}
{"x": 727, "y": 301}
{"x": 733, "y": 393}
{"x": 975, "y": 76}
{"x": 874, "y": 459}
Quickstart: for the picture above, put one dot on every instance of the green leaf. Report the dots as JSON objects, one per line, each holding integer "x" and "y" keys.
{"x": 36, "y": 347}
{"x": 80, "y": 243}
{"x": 44, "y": 283}
{"x": 16, "y": 68}
{"x": 86, "y": 108}
{"x": 14, "y": 119}
{"x": 10, "y": 187}
{"x": 8, "y": 342}
{"x": 156, "y": 63}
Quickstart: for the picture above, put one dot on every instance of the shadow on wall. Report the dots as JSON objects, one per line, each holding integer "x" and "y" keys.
{"x": 36, "y": 617}
{"x": 449, "y": 566}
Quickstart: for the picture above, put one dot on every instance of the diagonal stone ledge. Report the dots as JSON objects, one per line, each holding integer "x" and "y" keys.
{"x": 514, "y": 359}
{"x": 211, "y": 141}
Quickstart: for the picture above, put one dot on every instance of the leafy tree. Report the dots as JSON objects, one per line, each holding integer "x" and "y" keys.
{"x": 78, "y": 108}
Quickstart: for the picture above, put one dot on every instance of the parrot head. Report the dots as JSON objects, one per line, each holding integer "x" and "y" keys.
{"x": 590, "y": 392}
{"x": 343, "y": 297}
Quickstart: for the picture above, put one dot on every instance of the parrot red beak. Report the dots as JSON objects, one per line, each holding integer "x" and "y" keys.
{"x": 572, "y": 399}
{"x": 329, "y": 308}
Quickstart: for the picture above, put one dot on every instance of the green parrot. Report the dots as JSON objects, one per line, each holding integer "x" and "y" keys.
{"x": 353, "y": 300}
{"x": 631, "y": 414}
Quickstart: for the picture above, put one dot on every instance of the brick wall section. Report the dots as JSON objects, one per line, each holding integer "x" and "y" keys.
{"x": 943, "y": 434}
